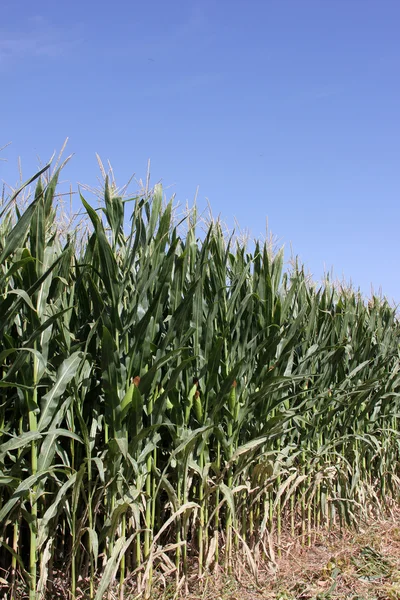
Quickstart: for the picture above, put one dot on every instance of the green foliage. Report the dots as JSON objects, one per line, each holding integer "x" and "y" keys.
{"x": 166, "y": 395}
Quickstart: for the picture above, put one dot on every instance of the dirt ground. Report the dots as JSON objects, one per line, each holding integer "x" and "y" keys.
{"x": 357, "y": 565}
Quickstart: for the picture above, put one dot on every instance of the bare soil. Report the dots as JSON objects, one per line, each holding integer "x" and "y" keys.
{"x": 350, "y": 565}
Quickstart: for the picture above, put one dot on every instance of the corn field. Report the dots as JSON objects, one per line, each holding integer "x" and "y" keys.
{"x": 171, "y": 400}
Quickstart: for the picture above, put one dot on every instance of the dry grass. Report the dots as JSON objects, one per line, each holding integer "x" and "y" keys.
{"x": 363, "y": 565}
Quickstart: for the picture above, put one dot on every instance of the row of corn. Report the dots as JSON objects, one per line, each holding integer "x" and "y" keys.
{"x": 170, "y": 398}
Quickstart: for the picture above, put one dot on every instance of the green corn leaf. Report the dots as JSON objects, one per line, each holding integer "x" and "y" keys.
{"x": 50, "y": 401}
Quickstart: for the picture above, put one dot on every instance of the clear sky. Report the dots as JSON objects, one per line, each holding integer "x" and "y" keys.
{"x": 286, "y": 109}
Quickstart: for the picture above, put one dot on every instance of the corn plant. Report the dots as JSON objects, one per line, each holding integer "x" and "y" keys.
{"x": 168, "y": 393}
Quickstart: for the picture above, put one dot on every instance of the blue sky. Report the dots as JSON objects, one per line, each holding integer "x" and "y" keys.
{"x": 278, "y": 109}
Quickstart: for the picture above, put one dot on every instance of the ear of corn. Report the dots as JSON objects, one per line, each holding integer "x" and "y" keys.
{"x": 154, "y": 384}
